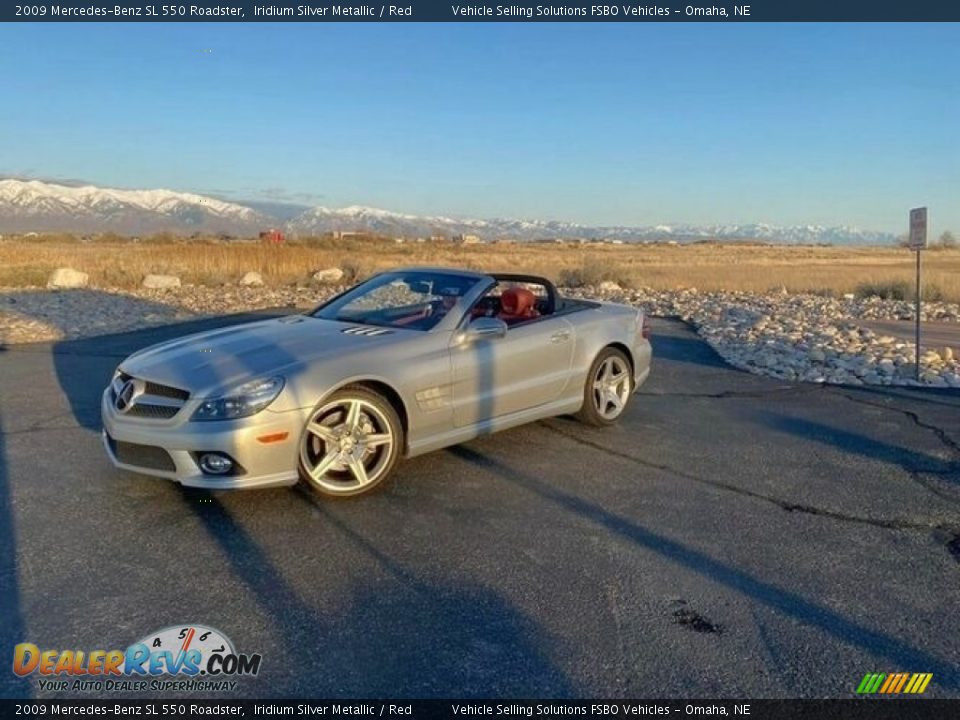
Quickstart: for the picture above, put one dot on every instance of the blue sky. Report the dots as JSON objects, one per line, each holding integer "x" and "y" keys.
{"x": 596, "y": 123}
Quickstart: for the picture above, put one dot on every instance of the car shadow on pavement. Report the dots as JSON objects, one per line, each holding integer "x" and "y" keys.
{"x": 783, "y": 601}
{"x": 398, "y": 637}
{"x": 12, "y": 627}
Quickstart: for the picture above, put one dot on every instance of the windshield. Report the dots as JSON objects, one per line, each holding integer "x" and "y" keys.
{"x": 415, "y": 300}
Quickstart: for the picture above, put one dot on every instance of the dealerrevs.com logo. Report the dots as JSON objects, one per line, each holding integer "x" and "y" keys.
{"x": 200, "y": 658}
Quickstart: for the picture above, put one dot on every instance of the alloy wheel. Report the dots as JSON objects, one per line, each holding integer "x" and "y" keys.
{"x": 611, "y": 387}
{"x": 347, "y": 445}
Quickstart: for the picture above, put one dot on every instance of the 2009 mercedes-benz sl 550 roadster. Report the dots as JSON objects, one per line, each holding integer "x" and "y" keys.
{"x": 406, "y": 362}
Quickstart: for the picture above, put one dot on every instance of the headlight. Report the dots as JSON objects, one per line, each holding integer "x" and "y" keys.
{"x": 244, "y": 401}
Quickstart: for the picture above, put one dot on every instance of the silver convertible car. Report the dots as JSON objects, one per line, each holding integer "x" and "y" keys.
{"x": 406, "y": 362}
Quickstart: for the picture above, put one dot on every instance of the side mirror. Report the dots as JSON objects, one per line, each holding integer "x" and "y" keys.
{"x": 485, "y": 328}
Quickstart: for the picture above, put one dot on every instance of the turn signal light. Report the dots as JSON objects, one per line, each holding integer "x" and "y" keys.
{"x": 273, "y": 437}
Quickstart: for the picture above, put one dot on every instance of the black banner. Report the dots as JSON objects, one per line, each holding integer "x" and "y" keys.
{"x": 481, "y": 11}
{"x": 867, "y": 709}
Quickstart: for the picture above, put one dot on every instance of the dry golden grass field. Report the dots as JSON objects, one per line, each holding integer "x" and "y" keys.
{"x": 119, "y": 263}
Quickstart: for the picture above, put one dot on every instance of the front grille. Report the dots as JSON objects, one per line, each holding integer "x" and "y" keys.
{"x": 154, "y": 412}
{"x": 166, "y": 391}
{"x": 158, "y": 402}
{"x": 145, "y": 456}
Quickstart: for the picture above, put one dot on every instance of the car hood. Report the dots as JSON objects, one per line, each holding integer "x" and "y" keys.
{"x": 212, "y": 362}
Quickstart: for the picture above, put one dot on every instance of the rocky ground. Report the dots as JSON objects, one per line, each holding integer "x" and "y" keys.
{"x": 806, "y": 337}
{"x": 793, "y": 337}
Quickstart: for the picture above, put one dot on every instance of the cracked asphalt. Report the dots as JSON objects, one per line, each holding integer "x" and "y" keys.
{"x": 733, "y": 536}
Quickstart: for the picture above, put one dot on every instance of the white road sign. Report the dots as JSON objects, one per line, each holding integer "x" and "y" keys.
{"x": 918, "y": 228}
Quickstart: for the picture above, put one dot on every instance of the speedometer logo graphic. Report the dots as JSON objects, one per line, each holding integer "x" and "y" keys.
{"x": 182, "y": 652}
{"x": 183, "y": 648}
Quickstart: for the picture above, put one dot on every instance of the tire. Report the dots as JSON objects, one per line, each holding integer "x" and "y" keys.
{"x": 609, "y": 382}
{"x": 350, "y": 444}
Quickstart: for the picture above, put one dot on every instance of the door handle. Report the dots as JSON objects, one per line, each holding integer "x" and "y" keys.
{"x": 561, "y": 336}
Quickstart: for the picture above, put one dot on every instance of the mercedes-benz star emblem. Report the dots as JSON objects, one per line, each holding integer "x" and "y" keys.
{"x": 130, "y": 391}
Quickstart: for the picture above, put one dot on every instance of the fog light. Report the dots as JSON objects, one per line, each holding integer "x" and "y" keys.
{"x": 215, "y": 464}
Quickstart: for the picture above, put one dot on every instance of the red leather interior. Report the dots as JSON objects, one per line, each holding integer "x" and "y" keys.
{"x": 517, "y": 304}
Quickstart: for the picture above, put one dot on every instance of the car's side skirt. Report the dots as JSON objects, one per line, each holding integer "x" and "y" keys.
{"x": 486, "y": 427}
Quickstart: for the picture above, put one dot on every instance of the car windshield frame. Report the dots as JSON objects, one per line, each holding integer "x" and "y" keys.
{"x": 433, "y": 282}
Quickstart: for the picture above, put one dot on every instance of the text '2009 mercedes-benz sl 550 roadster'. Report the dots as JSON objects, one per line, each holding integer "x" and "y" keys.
{"x": 404, "y": 363}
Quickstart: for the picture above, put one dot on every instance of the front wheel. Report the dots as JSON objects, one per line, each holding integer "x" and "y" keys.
{"x": 351, "y": 443}
{"x": 608, "y": 388}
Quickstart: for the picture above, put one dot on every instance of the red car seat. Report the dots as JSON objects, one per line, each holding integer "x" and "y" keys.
{"x": 517, "y": 304}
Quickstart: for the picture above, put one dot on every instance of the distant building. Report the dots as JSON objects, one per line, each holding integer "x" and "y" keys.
{"x": 272, "y": 236}
{"x": 463, "y": 239}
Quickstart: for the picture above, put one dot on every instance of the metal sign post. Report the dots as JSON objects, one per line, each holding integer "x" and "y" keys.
{"x": 918, "y": 241}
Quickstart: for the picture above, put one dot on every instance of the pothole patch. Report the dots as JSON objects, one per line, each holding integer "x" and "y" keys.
{"x": 692, "y": 620}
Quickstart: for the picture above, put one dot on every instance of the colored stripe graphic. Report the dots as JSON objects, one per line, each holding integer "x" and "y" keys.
{"x": 894, "y": 683}
{"x": 918, "y": 683}
{"x": 870, "y": 683}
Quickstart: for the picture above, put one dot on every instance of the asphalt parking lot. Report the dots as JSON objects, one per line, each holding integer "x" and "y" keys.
{"x": 734, "y": 536}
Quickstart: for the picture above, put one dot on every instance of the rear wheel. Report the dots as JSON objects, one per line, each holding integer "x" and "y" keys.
{"x": 351, "y": 443}
{"x": 608, "y": 388}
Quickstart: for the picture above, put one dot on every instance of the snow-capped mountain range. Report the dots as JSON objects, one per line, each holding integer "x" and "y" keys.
{"x": 34, "y": 205}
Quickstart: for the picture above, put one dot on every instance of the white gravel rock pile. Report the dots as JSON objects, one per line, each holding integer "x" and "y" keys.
{"x": 67, "y": 278}
{"x": 252, "y": 279}
{"x": 161, "y": 282}
{"x": 37, "y": 315}
{"x": 803, "y": 337}
{"x": 330, "y": 275}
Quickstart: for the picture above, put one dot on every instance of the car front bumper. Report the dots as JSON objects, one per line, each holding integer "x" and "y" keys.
{"x": 170, "y": 449}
